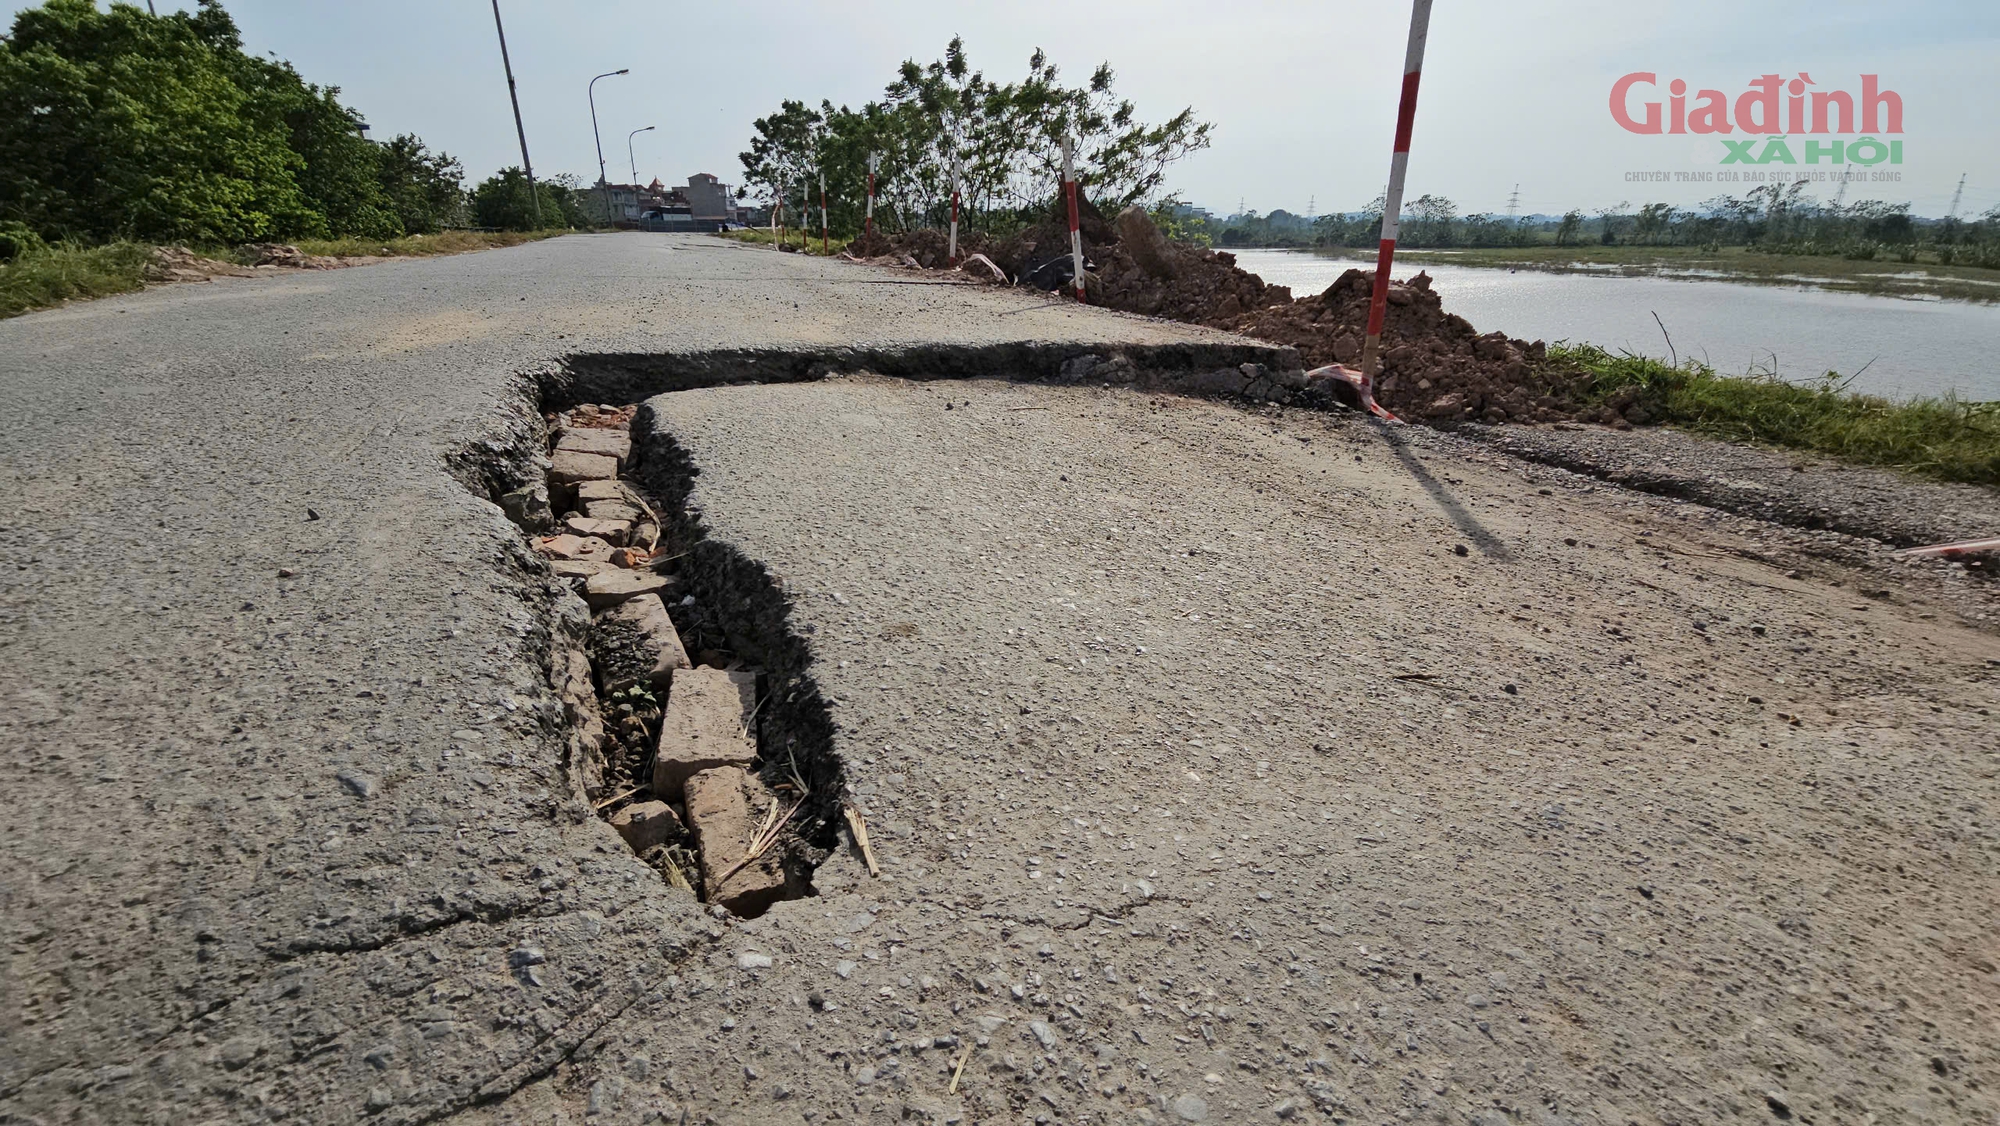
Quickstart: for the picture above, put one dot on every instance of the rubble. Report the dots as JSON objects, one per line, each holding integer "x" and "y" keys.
{"x": 725, "y": 807}
{"x": 608, "y": 588}
{"x": 634, "y": 642}
{"x": 647, "y": 824}
{"x": 568, "y": 467}
{"x": 711, "y": 721}
{"x": 596, "y": 440}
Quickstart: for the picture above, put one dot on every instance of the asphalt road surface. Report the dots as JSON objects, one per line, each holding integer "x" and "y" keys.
{"x": 1211, "y": 782}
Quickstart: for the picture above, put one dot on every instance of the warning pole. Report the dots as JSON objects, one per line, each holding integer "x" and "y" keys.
{"x": 1075, "y": 236}
{"x": 868, "y": 221}
{"x": 951, "y": 250}
{"x": 777, "y": 211}
{"x": 1392, "y": 204}
{"x": 822, "y": 214}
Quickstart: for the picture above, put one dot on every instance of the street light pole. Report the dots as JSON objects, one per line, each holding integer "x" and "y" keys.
{"x": 628, "y": 151}
{"x": 603, "y": 185}
{"x": 534, "y": 197}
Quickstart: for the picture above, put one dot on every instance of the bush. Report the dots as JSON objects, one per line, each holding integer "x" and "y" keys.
{"x": 16, "y": 239}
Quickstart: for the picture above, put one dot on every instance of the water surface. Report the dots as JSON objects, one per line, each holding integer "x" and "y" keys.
{"x": 1898, "y": 346}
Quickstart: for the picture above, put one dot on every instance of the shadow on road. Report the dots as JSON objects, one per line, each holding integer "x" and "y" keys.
{"x": 1487, "y": 543}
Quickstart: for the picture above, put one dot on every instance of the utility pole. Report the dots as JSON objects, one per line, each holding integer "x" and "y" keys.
{"x": 1957, "y": 196}
{"x": 534, "y": 197}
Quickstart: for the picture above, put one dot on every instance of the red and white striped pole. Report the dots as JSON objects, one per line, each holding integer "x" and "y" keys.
{"x": 1392, "y": 204}
{"x": 822, "y": 214}
{"x": 951, "y": 250}
{"x": 1075, "y": 236}
{"x": 868, "y": 221}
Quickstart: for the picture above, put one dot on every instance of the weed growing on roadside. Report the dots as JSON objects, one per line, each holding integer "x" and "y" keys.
{"x": 1943, "y": 437}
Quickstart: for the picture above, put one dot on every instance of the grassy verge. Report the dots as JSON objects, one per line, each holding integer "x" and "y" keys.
{"x": 1884, "y": 278}
{"x": 761, "y": 236}
{"x": 1945, "y": 438}
{"x": 51, "y": 275}
{"x": 410, "y": 246}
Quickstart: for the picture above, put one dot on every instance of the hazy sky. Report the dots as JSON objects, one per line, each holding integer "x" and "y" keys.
{"x": 1302, "y": 93}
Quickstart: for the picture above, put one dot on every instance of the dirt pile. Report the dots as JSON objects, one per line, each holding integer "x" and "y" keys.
{"x": 1161, "y": 279}
{"x": 1435, "y": 365}
{"x": 927, "y": 246}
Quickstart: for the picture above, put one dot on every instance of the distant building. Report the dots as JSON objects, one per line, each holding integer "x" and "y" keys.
{"x": 614, "y": 204}
{"x": 704, "y": 204}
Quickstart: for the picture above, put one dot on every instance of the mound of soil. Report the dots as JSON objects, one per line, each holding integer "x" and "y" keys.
{"x": 1435, "y": 365}
{"x": 927, "y": 246}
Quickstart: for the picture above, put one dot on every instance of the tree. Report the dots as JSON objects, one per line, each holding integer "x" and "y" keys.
{"x": 784, "y": 152}
{"x": 426, "y": 190}
{"x": 1572, "y": 223}
{"x": 1005, "y": 139}
{"x": 501, "y": 200}
{"x": 123, "y": 124}
{"x": 1435, "y": 221}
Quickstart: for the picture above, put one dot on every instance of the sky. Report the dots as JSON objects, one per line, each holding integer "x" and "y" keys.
{"x": 1302, "y": 94}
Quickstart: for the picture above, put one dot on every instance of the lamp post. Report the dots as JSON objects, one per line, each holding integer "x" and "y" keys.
{"x": 528, "y": 166}
{"x": 603, "y": 185}
{"x": 628, "y": 151}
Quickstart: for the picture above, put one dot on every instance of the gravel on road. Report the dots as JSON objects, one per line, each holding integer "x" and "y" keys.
{"x": 1223, "y": 763}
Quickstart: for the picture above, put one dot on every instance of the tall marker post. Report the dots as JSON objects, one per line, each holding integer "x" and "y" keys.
{"x": 868, "y": 221}
{"x": 1392, "y": 204}
{"x": 1075, "y": 235}
{"x": 951, "y": 249}
{"x": 822, "y": 214}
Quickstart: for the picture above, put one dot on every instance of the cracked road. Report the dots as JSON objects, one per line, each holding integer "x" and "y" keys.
{"x": 1210, "y": 783}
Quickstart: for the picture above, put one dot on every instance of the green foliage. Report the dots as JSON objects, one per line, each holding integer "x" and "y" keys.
{"x": 943, "y": 122}
{"x": 47, "y": 275}
{"x": 17, "y": 239}
{"x": 502, "y": 201}
{"x": 1940, "y": 437}
{"x": 425, "y": 190}
{"x": 120, "y": 124}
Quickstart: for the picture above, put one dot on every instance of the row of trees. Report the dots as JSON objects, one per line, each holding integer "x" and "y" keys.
{"x": 122, "y": 124}
{"x": 1781, "y": 218}
{"x": 1002, "y": 140}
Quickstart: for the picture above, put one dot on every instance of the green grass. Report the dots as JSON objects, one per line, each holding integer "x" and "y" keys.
{"x": 50, "y": 275}
{"x": 409, "y": 246}
{"x": 1885, "y": 277}
{"x": 761, "y": 236}
{"x": 1946, "y": 438}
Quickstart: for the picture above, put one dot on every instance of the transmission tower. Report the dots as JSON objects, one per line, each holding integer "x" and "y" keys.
{"x": 1956, "y": 197}
{"x": 1240, "y": 200}
{"x": 1841, "y": 195}
{"x": 1514, "y": 203}
{"x": 1311, "y": 201}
